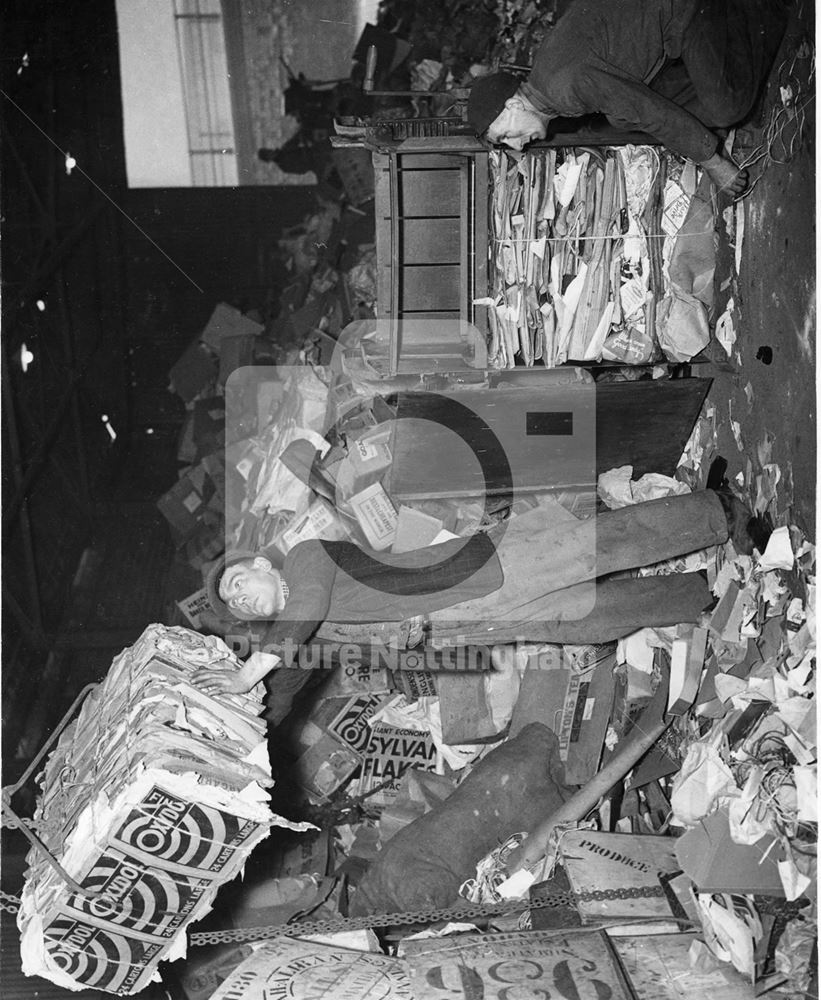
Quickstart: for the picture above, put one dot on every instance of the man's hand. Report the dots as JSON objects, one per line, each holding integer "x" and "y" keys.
{"x": 725, "y": 174}
{"x": 221, "y": 680}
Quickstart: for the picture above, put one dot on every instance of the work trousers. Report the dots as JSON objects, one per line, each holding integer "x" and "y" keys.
{"x": 558, "y": 576}
{"x": 559, "y": 583}
{"x": 728, "y": 48}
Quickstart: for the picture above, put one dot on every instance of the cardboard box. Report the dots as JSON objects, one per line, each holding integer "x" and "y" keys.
{"x": 194, "y": 605}
{"x": 595, "y": 861}
{"x": 415, "y": 530}
{"x": 194, "y": 372}
{"x": 389, "y": 754}
{"x": 326, "y": 763}
{"x": 369, "y": 450}
{"x": 320, "y": 520}
{"x": 417, "y": 684}
{"x": 351, "y": 724}
{"x": 359, "y": 678}
{"x": 376, "y": 515}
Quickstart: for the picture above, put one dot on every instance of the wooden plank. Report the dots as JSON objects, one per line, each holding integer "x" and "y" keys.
{"x": 429, "y": 193}
{"x": 430, "y": 241}
{"x": 584, "y": 136}
{"x": 648, "y": 425}
{"x": 429, "y": 288}
{"x": 429, "y": 161}
{"x": 645, "y": 424}
{"x": 479, "y": 241}
{"x": 436, "y": 453}
{"x": 465, "y": 230}
{"x": 382, "y": 211}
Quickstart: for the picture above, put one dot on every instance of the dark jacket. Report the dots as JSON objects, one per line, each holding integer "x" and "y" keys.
{"x": 603, "y": 56}
{"x": 340, "y": 582}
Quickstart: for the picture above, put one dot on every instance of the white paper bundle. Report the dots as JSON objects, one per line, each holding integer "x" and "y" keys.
{"x": 581, "y": 240}
{"x": 152, "y": 799}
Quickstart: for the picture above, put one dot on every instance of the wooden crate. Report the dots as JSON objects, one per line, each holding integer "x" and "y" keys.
{"x": 431, "y": 247}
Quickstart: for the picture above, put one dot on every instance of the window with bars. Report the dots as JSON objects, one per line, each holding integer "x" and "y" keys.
{"x": 207, "y": 96}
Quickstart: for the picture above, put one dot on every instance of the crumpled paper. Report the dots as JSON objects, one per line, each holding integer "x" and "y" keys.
{"x": 683, "y": 328}
{"x": 779, "y": 553}
{"x": 732, "y": 929}
{"x": 616, "y": 489}
{"x": 703, "y": 781}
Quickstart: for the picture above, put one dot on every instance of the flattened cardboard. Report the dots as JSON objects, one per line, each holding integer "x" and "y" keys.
{"x": 590, "y": 721}
{"x": 194, "y": 372}
{"x": 686, "y": 664}
{"x": 226, "y": 321}
{"x": 595, "y": 860}
{"x": 465, "y": 712}
{"x": 516, "y": 963}
{"x": 304, "y": 970}
{"x": 715, "y": 863}
{"x": 415, "y": 530}
{"x": 659, "y": 969}
{"x": 390, "y": 753}
{"x": 542, "y": 693}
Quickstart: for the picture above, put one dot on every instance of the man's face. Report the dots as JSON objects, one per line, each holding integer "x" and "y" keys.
{"x": 515, "y": 126}
{"x": 252, "y": 589}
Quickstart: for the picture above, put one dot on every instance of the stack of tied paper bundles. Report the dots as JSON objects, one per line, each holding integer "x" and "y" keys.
{"x": 152, "y": 799}
{"x": 581, "y": 242}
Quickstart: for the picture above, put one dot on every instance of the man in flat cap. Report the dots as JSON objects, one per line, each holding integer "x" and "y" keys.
{"x": 676, "y": 69}
{"x": 539, "y": 577}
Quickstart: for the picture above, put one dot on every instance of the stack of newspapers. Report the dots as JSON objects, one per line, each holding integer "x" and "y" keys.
{"x": 152, "y": 799}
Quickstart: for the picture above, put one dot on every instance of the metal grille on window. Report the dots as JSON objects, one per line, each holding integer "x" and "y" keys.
{"x": 204, "y": 68}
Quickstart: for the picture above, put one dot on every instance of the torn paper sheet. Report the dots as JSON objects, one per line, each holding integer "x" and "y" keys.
{"x": 616, "y": 489}
{"x": 704, "y": 778}
{"x": 725, "y": 329}
{"x": 731, "y": 929}
{"x": 794, "y": 881}
{"x": 779, "y": 553}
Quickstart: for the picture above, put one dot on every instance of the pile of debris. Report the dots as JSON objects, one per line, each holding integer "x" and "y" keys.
{"x": 223, "y": 407}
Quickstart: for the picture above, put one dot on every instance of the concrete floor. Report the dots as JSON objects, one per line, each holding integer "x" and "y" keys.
{"x": 768, "y": 385}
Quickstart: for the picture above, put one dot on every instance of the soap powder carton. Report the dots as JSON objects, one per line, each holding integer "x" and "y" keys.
{"x": 176, "y": 835}
{"x": 100, "y": 957}
{"x": 124, "y": 892}
{"x": 376, "y": 515}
